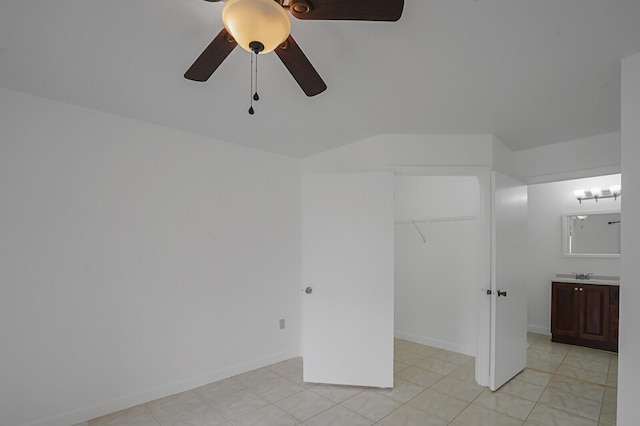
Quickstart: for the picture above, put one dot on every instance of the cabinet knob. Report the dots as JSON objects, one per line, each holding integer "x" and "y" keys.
{"x": 575, "y": 289}
{"x": 580, "y": 288}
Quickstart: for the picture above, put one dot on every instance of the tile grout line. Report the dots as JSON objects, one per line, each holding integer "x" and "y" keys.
{"x": 571, "y": 378}
{"x": 546, "y": 386}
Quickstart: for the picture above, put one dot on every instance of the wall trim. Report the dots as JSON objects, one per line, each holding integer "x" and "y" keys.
{"x": 85, "y": 414}
{"x": 436, "y": 343}
{"x": 539, "y": 330}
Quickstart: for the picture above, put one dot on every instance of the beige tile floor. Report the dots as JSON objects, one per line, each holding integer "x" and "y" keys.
{"x": 563, "y": 385}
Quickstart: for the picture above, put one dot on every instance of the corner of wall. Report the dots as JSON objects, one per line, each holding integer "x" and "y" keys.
{"x": 364, "y": 155}
{"x": 503, "y": 159}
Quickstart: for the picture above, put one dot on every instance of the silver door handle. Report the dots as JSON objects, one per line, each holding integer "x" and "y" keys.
{"x": 308, "y": 290}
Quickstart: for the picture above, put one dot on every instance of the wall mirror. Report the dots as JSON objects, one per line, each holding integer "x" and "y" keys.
{"x": 591, "y": 234}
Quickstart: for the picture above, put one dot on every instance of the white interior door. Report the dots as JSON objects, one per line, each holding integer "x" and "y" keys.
{"x": 508, "y": 279}
{"x": 347, "y": 277}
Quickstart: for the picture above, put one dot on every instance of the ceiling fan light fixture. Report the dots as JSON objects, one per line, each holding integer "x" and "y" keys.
{"x": 263, "y": 21}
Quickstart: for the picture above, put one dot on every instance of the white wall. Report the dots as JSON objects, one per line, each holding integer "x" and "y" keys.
{"x": 384, "y": 152}
{"x": 575, "y": 159}
{"x": 363, "y": 156}
{"x": 629, "y": 369}
{"x": 450, "y": 150}
{"x": 547, "y": 203}
{"x": 436, "y": 278}
{"x": 135, "y": 261}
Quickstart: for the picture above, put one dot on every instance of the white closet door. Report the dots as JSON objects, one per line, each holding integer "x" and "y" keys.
{"x": 347, "y": 278}
{"x": 508, "y": 276}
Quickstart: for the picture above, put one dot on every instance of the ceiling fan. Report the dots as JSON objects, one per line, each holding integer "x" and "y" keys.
{"x": 262, "y": 26}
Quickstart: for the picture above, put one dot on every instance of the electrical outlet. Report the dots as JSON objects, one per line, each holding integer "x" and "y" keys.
{"x": 281, "y": 323}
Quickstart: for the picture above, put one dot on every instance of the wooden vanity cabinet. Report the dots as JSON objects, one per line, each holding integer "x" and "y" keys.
{"x": 614, "y": 311}
{"x": 585, "y": 315}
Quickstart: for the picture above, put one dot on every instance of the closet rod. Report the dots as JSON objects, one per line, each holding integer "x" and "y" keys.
{"x": 436, "y": 219}
{"x": 424, "y": 240}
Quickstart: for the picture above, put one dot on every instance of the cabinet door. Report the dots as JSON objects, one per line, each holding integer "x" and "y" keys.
{"x": 564, "y": 309}
{"x": 614, "y": 310}
{"x": 594, "y": 313}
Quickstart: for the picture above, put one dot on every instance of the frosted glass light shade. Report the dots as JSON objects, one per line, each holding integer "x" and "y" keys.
{"x": 615, "y": 189}
{"x": 256, "y": 20}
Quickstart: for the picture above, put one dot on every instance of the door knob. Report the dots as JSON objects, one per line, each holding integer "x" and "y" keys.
{"x": 308, "y": 290}
{"x": 502, "y": 293}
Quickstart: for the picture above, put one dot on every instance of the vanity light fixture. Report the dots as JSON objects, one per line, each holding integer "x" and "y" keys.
{"x": 614, "y": 192}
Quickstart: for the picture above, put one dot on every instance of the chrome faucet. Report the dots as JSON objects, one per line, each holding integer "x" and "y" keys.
{"x": 583, "y": 276}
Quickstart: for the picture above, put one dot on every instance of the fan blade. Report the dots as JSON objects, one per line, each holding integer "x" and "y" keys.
{"x": 211, "y": 58}
{"x": 300, "y": 68}
{"x": 349, "y": 10}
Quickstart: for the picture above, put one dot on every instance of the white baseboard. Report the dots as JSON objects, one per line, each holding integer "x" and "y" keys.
{"x": 539, "y": 330}
{"x": 440, "y": 344}
{"x": 80, "y": 416}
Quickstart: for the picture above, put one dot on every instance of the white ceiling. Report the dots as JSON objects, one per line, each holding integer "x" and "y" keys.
{"x": 532, "y": 72}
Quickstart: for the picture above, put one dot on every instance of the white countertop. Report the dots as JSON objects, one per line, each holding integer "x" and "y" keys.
{"x": 590, "y": 281}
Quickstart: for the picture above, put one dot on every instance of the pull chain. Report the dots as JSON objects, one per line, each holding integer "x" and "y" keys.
{"x": 255, "y": 95}
{"x": 256, "y": 47}
{"x": 251, "y": 101}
